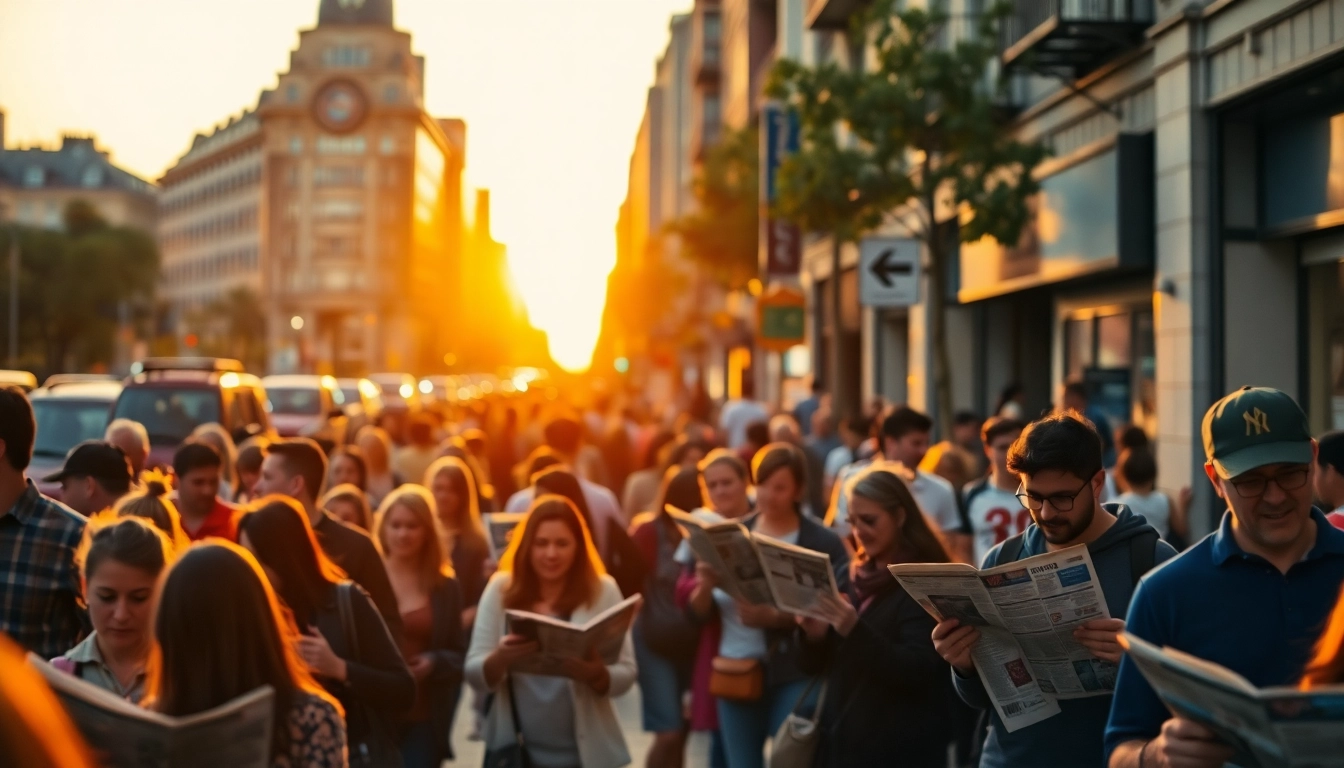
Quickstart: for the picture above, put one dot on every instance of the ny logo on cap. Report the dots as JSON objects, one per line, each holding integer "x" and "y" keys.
{"x": 1256, "y": 419}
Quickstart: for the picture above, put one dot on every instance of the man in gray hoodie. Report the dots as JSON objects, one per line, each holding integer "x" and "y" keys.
{"x": 1059, "y": 462}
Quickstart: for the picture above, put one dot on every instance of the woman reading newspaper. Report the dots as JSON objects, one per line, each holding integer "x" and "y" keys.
{"x": 874, "y": 648}
{"x": 757, "y": 676}
{"x": 566, "y": 721}
{"x": 216, "y": 611}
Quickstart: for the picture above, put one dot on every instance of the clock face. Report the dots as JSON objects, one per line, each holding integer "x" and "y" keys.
{"x": 340, "y": 106}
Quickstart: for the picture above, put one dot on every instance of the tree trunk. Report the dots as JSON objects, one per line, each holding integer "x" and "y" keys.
{"x": 834, "y": 382}
{"x": 936, "y": 306}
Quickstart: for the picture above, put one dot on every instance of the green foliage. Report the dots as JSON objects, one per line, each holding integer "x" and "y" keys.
{"x": 719, "y": 236}
{"x": 234, "y": 325}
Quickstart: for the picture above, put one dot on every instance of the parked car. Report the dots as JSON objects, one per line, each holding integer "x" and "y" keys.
{"x": 363, "y": 404}
{"x": 401, "y": 392}
{"x": 307, "y": 406}
{"x": 67, "y": 415}
{"x": 171, "y": 396}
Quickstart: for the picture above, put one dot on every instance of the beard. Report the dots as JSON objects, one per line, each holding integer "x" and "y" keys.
{"x": 1063, "y": 530}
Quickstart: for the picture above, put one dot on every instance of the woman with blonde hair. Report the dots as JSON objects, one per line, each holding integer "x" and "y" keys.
{"x": 349, "y": 504}
{"x": 376, "y": 446}
{"x": 551, "y": 568}
{"x": 430, "y": 603}
{"x": 457, "y": 504}
{"x": 216, "y": 437}
{"x": 153, "y": 504}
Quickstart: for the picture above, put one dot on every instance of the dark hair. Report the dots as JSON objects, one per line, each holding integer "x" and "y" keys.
{"x": 542, "y": 458}
{"x": 724, "y": 456}
{"x": 660, "y": 438}
{"x": 776, "y": 456}
{"x": 221, "y": 634}
{"x": 18, "y": 430}
{"x": 684, "y": 445}
{"x": 559, "y": 481}
{"x": 1137, "y": 466}
{"x": 918, "y": 542}
{"x": 758, "y": 433}
{"x": 1008, "y": 394}
{"x": 860, "y": 425}
{"x": 153, "y": 505}
{"x": 584, "y": 582}
{"x": 302, "y": 457}
{"x": 1077, "y": 388}
{"x": 353, "y": 453}
{"x": 420, "y": 430}
{"x": 1133, "y": 436}
{"x": 193, "y": 456}
{"x": 1065, "y": 442}
{"x": 903, "y": 421}
{"x": 998, "y": 426}
{"x": 681, "y": 489}
{"x": 1330, "y": 450}
{"x": 132, "y": 541}
{"x": 283, "y": 540}
{"x": 564, "y": 435}
{"x": 963, "y": 418}
{"x": 251, "y": 454}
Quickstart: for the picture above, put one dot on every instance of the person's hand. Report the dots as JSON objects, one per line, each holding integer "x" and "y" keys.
{"x": 317, "y": 654}
{"x": 839, "y": 613}
{"x": 814, "y": 629}
{"x": 1100, "y": 637}
{"x": 758, "y": 616}
{"x": 706, "y": 575}
{"x": 514, "y": 647}
{"x": 421, "y": 666}
{"x": 1187, "y": 744}
{"x": 954, "y": 642}
{"x": 590, "y": 671}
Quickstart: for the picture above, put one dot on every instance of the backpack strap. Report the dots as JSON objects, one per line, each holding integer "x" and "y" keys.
{"x": 1011, "y": 550}
{"x": 1142, "y": 554}
{"x": 975, "y": 489}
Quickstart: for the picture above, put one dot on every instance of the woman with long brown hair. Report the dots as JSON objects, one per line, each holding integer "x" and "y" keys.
{"x": 551, "y": 568}
{"x": 875, "y": 649}
{"x": 430, "y": 603}
{"x": 221, "y": 634}
{"x": 458, "y": 509}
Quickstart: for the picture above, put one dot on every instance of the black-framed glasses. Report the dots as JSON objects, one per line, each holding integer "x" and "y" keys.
{"x": 1061, "y": 502}
{"x": 1255, "y": 487}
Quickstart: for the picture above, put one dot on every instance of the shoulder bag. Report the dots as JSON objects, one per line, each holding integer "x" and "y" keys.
{"x": 795, "y": 744}
{"x": 375, "y": 748}
{"x": 665, "y": 628}
{"x": 510, "y": 755}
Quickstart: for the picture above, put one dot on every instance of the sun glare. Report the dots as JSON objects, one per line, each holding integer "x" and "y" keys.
{"x": 565, "y": 301}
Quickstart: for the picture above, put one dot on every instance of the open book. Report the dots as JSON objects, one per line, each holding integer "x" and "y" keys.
{"x": 758, "y": 569}
{"x": 561, "y": 640}
{"x": 1268, "y": 727}
{"x": 1026, "y": 612}
{"x": 499, "y": 527}
{"x": 234, "y": 735}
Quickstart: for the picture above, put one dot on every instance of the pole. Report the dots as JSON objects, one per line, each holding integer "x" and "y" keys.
{"x": 13, "y": 297}
{"x": 836, "y": 382}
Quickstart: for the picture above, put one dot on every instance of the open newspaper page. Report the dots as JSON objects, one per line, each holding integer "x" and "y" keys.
{"x": 727, "y": 547}
{"x": 234, "y": 735}
{"x": 560, "y": 640}
{"x": 1026, "y": 612}
{"x": 499, "y": 528}
{"x": 1268, "y": 728}
{"x": 798, "y": 577}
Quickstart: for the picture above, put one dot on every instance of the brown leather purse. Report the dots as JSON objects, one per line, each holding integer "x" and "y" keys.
{"x": 737, "y": 679}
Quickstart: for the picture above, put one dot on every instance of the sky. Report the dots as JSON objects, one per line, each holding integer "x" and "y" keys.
{"x": 552, "y": 92}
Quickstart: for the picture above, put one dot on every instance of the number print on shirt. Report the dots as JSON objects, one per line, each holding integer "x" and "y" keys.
{"x": 1001, "y": 520}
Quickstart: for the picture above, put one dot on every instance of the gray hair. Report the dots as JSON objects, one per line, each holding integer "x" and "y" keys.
{"x": 129, "y": 426}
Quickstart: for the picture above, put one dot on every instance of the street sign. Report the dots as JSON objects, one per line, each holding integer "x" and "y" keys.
{"x": 781, "y": 246}
{"x": 782, "y": 319}
{"x": 889, "y": 272}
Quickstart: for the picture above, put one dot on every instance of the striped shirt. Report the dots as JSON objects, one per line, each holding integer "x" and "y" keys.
{"x": 39, "y": 581}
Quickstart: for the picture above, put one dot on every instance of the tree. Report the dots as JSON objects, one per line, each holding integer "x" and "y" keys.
{"x": 911, "y": 139}
{"x": 237, "y": 325}
{"x": 720, "y": 235}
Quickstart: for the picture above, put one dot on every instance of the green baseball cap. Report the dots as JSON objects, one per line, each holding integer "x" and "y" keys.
{"x": 1253, "y": 427}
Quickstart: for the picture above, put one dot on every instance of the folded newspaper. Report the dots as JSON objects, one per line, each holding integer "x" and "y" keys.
{"x": 561, "y": 640}
{"x": 759, "y": 569}
{"x": 236, "y": 734}
{"x": 1026, "y": 612}
{"x": 1268, "y": 727}
{"x": 499, "y": 527}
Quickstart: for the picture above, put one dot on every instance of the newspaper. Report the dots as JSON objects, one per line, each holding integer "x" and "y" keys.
{"x": 758, "y": 569}
{"x": 1268, "y": 727}
{"x": 561, "y": 640}
{"x": 1026, "y": 612}
{"x": 234, "y": 735}
{"x": 499, "y": 527}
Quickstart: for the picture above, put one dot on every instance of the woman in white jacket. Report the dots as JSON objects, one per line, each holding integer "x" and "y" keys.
{"x": 551, "y": 568}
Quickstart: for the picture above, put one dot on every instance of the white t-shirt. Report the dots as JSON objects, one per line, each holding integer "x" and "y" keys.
{"x": 736, "y": 416}
{"x": 1155, "y": 508}
{"x": 995, "y": 515}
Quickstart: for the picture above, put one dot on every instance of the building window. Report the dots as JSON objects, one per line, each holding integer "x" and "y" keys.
{"x": 93, "y": 176}
{"x": 338, "y": 176}
{"x": 346, "y": 56}
{"x": 338, "y": 209}
{"x": 340, "y": 145}
{"x": 34, "y": 176}
{"x": 388, "y": 145}
{"x": 391, "y": 94}
{"x": 292, "y": 93}
{"x": 295, "y": 145}
{"x": 53, "y": 217}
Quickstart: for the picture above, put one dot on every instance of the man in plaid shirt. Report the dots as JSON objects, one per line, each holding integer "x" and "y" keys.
{"x": 39, "y": 582}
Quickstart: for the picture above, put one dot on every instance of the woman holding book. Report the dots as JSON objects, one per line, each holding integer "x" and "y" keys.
{"x": 459, "y": 514}
{"x": 344, "y": 641}
{"x": 121, "y": 563}
{"x": 430, "y": 603}
{"x": 757, "y": 676}
{"x": 875, "y": 649}
{"x": 551, "y": 568}
{"x": 222, "y": 634}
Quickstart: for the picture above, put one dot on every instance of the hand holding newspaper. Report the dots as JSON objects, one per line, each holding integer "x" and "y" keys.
{"x": 1026, "y": 611}
{"x": 758, "y": 569}
{"x": 560, "y": 640}
{"x": 234, "y": 735}
{"x": 1268, "y": 727}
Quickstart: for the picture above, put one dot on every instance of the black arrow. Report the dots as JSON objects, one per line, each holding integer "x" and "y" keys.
{"x": 883, "y": 269}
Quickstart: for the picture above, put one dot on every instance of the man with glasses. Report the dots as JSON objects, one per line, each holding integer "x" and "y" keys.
{"x": 1057, "y": 462}
{"x": 1252, "y": 596}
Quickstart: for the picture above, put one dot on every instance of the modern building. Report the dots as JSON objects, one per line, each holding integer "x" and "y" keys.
{"x": 37, "y": 183}
{"x": 337, "y": 199}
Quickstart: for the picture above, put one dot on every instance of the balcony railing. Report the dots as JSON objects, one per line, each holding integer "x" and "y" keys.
{"x": 1072, "y": 37}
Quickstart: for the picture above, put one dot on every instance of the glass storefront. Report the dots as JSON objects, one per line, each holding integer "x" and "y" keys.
{"x": 1113, "y": 351}
{"x": 1325, "y": 340}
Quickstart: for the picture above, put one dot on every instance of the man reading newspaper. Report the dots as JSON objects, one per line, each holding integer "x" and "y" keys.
{"x": 1058, "y": 460}
{"x": 1252, "y": 596}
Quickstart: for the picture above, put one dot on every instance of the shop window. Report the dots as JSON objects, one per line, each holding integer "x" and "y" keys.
{"x": 1325, "y": 337}
{"x": 1113, "y": 341}
{"x": 1077, "y": 347}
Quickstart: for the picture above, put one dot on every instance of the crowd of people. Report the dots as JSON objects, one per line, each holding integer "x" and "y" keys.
{"x": 360, "y": 585}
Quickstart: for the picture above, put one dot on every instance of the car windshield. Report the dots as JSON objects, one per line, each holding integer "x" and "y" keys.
{"x": 63, "y": 424}
{"x": 169, "y": 415}
{"x": 300, "y": 401}
{"x": 351, "y": 394}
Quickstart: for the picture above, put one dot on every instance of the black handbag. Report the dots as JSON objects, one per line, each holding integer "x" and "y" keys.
{"x": 510, "y": 755}
{"x": 375, "y": 748}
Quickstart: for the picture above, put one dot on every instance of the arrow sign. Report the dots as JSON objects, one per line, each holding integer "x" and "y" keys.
{"x": 889, "y": 272}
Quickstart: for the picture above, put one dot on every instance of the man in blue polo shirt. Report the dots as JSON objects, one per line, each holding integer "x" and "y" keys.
{"x": 1253, "y": 596}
